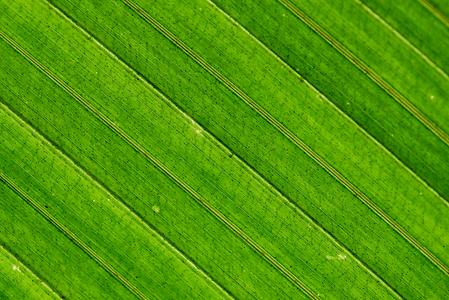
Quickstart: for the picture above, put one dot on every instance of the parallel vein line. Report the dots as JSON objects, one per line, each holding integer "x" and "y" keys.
{"x": 332, "y": 104}
{"x": 31, "y": 272}
{"x": 217, "y": 214}
{"x": 398, "y": 97}
{"x": 286, "y": 132}
{"x": 214, "y": 139}
{"x": 240, "y": 160}
{"x": 344, "y": 115}
{"x": 151, "y": 229}
{"x": 70, "y": 235}
{"x": 403, "y": 39}
{"x": 436, "y": 12}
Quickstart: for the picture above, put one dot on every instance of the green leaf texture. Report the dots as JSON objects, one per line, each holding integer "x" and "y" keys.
{"x": 224, "y": 149}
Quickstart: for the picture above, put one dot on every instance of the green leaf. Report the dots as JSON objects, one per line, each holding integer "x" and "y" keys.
{"x": 224, "y": 149}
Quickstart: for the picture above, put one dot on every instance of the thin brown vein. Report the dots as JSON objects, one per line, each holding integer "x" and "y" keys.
{"x": 287, "y": 133}
{"x": 214, "y": 139}
{"x": 336, "y": 108}
{"x": 345, "y": 182}
{"x": 436, "y": 12}
{"x": 161, "y": 167}
{"x": 404, "y": 102}
{"x": 118, "y": 200}
{"x": 71, "y": 236}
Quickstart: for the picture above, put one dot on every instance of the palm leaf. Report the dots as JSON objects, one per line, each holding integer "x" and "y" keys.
{"x": 224, "y": 149}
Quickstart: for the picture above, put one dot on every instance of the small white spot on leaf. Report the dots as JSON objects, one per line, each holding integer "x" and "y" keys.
{"x": 16, "y": 268}
{"x": 341, "y": 256}
{"x": 337, "y": 257}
